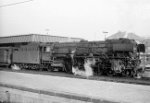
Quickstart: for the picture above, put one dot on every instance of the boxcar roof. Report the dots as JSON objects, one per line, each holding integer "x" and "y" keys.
{"x": 36, "y": 38}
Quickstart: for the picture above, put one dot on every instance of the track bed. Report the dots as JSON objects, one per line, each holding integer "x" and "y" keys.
{"x": 142, "y": 81}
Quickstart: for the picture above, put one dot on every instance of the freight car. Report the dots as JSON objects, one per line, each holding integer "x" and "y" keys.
{"x": 118, "y": 56}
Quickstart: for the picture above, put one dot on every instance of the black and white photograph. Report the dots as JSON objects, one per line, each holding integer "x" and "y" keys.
{"x": 74, "y": 51}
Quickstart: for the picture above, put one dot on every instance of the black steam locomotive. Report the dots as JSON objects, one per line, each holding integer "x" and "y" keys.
{"x": 117, "y": 56}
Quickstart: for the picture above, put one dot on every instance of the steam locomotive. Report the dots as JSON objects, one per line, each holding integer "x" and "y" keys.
{"x": 112, "y": 57}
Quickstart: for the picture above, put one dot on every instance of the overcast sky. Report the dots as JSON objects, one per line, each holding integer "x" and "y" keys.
{"x": 75, "y": 18}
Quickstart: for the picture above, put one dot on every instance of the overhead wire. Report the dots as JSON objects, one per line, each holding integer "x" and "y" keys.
{"x": 12, "y": 4}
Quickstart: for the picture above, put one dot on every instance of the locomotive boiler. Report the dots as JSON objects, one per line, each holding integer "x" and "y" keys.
{"x": 117, "y": 56}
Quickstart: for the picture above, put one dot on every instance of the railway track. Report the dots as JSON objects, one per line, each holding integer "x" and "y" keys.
{"x": 117, "y": 79}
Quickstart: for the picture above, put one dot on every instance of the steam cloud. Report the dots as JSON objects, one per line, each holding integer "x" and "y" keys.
{"x": 88, "y": 69}
{"x": 15, "y": 67}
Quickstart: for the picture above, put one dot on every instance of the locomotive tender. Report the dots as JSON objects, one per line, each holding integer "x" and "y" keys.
{"x": 116, "y": 56}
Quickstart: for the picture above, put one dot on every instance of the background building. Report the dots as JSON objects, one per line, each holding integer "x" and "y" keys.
{"x": 35, "y": 38}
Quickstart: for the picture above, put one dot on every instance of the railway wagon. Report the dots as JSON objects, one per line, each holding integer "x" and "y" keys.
{"x": 32, "y": 56}
{"x": 26, "y": 56}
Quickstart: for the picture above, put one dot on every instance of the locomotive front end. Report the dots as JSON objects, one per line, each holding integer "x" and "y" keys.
{"x": 126, "y": 57}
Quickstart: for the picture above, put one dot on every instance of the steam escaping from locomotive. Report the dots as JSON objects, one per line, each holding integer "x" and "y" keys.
{"x": 15, "y": 67}
{"x": 87, "y": 66}
{"x": 76, "y": 71}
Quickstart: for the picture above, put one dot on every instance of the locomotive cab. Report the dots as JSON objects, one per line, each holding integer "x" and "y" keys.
{"x": 141, "y": 48}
